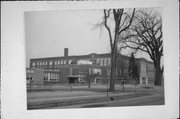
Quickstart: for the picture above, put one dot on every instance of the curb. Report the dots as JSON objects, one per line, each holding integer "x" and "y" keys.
{"x": 59, "y": 103}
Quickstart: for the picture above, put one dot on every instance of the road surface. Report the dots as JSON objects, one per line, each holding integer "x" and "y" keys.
{"x": 86, "y": 99}
{"x": 155, "y": 99}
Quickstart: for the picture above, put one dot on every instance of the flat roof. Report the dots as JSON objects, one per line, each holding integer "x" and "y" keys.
{"x": 92, "y": 55}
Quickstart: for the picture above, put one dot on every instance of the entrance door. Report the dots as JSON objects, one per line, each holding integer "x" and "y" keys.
{"x": 143, "y": 80}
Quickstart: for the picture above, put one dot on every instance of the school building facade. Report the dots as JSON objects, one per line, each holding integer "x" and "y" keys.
{"x": 94, "y": 68}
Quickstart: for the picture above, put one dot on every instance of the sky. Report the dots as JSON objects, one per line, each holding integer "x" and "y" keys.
{"x": 47, "y": 33}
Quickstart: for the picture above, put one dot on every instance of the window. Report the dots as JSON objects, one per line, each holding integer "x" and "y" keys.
{"x": 101, "y": 62}
{"x": 90, "y": 70}
{"x": 109, "y": 61}
{"x": 50, "y": 62}
{"x": 53, "y": 76}
{"x": 150, "y": 67}
{"x": 31, "y": 72}
{"x": 97, "y": 61}
{"x": 33, "y": 64}
{"x": 105, "y": 62}
{"x": 64, "y": 61}
{"x": 108, "y": 72}
{"x": 56, "y": 77}
{"x": 54, "y": 62}
{"x": 96, "y": 71}
{"x": 70, "y": 61}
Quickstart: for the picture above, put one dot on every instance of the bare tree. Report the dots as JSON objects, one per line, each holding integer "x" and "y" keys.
{"x": 116, "y": 21}
{"x": 146, "y": 35}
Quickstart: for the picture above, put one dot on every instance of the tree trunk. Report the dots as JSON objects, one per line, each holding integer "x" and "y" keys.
{"x": 113, "y": 71}
{"x": 158, "y": 71}
{"x": 158, "y": 75}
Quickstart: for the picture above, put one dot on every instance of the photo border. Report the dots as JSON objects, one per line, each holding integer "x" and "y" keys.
{"x": 13, "y": 88}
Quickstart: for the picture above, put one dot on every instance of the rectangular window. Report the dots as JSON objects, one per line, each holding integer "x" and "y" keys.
{"x": 56, "y": 76}
{"x": 96, "y": 71}
{"x": 105, "y": 62}
{"x": 109, "y": 61}
{"x": 50, "y": 62}
{"x": 90, "y": 70}
{"x": 101, "y": 62}
{"x": 108, "y": 72}
{"x": 33, "y": 64}
{"x": 70, "y": 61}
{"x": 32, "y": 71}
{"x": 97, "y": 61}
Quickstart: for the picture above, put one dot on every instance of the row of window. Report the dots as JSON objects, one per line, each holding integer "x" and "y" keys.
{"x": 49, "y": 76}
{"x": 103, "y": 61}
{"x": 45, "y": 79}
{"x": 94, "y": 71}
{"x": 99, "y": 61}
{"x": 30, "y": 71}
{"x": 29, "y": 78}
{"x": 150, "y": 74}
{"x": 45, "y": 63}
{"x": 150, "y": 67}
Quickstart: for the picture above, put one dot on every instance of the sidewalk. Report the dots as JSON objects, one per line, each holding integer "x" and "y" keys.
{"x": 53, "y": 102}
{"x": 84, "y": 95}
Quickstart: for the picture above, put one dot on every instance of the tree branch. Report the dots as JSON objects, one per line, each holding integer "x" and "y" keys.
{"x": 106, "y": 16}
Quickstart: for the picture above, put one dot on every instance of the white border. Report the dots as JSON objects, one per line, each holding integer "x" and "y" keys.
{"x": 13, "y": 63}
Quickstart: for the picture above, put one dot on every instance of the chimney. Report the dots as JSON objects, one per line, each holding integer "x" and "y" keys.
{"x": 65, "y": 52}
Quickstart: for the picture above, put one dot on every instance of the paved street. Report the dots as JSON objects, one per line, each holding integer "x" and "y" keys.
{"x": 140, "y": 101}
{"x": 83, "y": 97}
{"x": 157, "y": 98}
{"x": 137, "y": 101}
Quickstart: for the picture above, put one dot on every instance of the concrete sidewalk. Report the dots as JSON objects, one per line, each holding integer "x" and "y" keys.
{"x": 83, "y": 95}
{"x": 46, "y": 103}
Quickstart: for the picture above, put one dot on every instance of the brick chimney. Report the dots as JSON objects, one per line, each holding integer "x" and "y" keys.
{"x": 65, "y": 52}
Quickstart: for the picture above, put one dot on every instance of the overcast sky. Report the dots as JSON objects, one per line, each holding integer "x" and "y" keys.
{"x": 49, "y": 32}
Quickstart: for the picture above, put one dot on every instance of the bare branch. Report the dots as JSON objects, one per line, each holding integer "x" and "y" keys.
{"x": 106, "y": 16}
{"x": 131, "y": 19}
